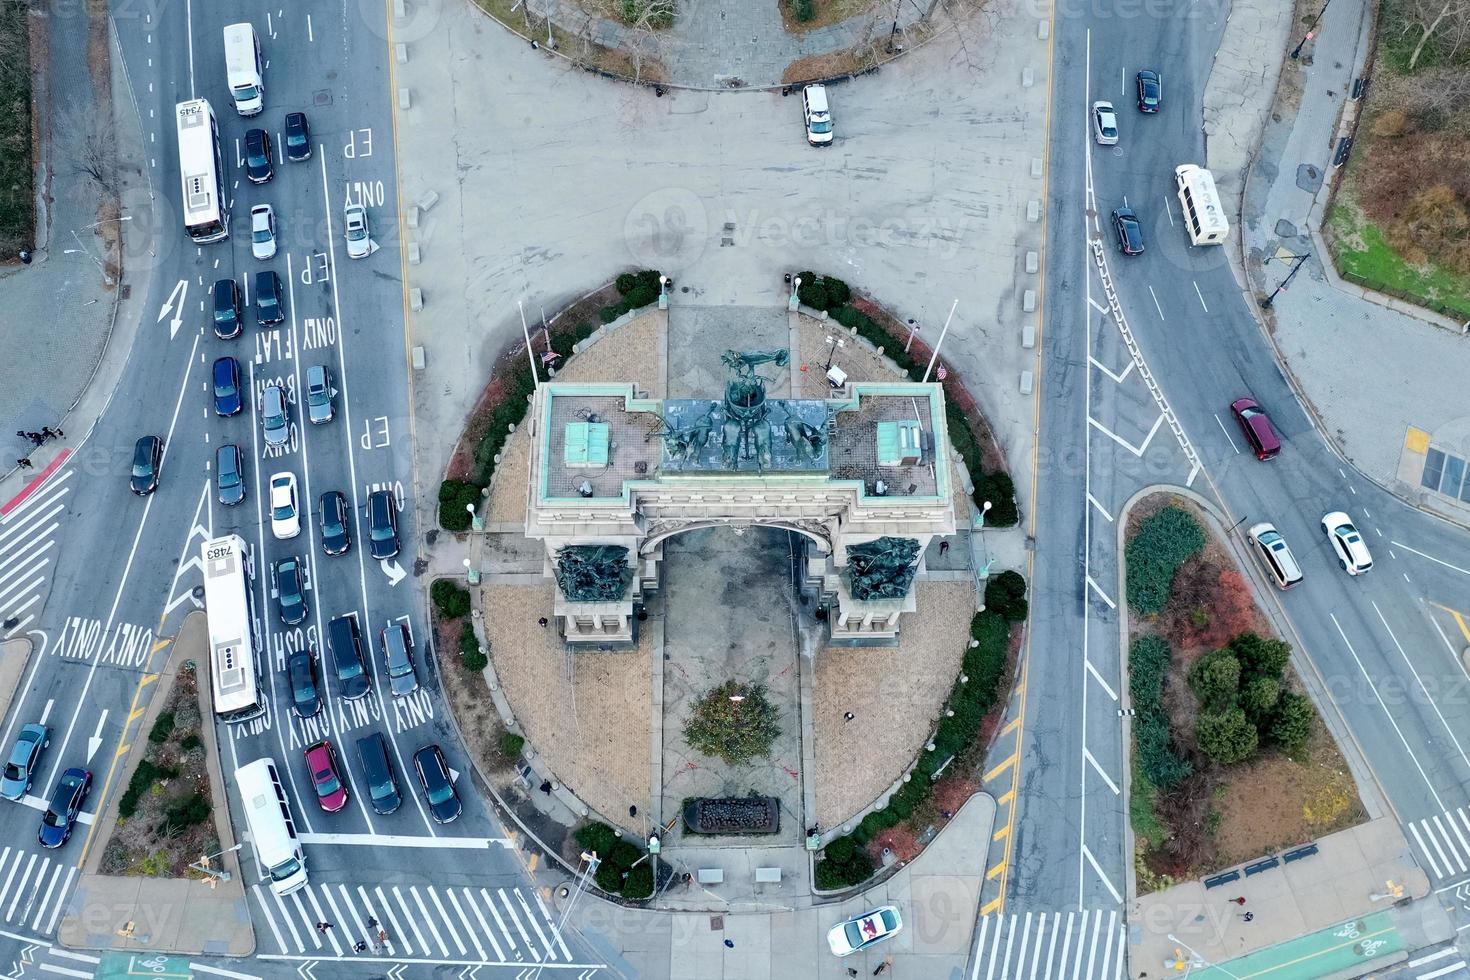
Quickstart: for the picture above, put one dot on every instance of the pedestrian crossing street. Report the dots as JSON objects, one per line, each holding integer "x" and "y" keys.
{"x": 1087, "y": 945}
{"x": 1446, "y": 963}
{"x": 33, "y": 889}
{"x": 1443, "y": 843}
{"x": 464, "y": 924}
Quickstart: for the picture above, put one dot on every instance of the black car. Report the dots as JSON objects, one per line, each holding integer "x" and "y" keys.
{"x": 1130, "y": 232}
{"x": 433, "y": 772}
{"x": 227, "y": 399}
{"x": 336, "y": 532}
{"x": 290, "y": 590}
{"x": 383, "y": 524}
{"x": 147, "y": 458}
{"x": 227, "y": 320}
{"x": 258, "y": 165}
{"x": 269, "y": 307}
{"x": 66, "y": 804}
{"x": 377, "y": 767}
{"x": 1150, "y": 91}
{"x": 345, "y": 643}
{"x": 298, "y": 137}
{"x": 306, "y": 698}
{"x": 229, "y": 474}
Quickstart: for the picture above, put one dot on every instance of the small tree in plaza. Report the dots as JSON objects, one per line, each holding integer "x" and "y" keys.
{"x": 733, "y": 722}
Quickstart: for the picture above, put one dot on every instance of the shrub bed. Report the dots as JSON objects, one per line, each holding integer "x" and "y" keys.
{"x": 616, "y": 871}
{"x": 1161, "y": 543}
{"x": 450, "y": 599}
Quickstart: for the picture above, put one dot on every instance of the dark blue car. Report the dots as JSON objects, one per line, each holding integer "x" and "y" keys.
{"x": 66, "y": 804}
{"x": 227, "y": 400}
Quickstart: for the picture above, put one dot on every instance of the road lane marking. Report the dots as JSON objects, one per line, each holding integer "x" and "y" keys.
{"x": 1227, "y": 434}
{"x": 1138, "y": 451}
{"x": 1156, "y": 302}
{"x": 392, "y": 840}
{"x": 1098, "y": 306}
{"x": 1438, "y": 955}
{"x": 1100, "y": 508}
{"x": 1201, "y": 297}
{"x": 1097, "y": 767}
{"x": 1000, "y": 768}
{"x": 1438, "y": 561}
{"x": 1118, "y": 378}
{"x": 1418, "y": 680}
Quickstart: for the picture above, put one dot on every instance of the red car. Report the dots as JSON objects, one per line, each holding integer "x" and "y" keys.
{"x": 1256, "y": 426}
{"x": 331, "y": 792}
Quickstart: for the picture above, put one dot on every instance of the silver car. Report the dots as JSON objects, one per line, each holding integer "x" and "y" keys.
{"x": 398, "y": 652}
{"x": 275, "y": 414}
{"x": 319, "y": 394}
{"x": 1104, "y": 123}
{"x": 355, "y": 229}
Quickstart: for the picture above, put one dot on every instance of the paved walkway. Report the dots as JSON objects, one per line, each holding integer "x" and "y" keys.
{"x": 1330, "y": 913}
{"x": 1336, "y": 338}
{"x": 733, "y": 43}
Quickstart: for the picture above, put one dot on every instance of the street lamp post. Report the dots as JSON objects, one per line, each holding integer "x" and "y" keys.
{"x": 940, "y": 342}
{"x": 984, "y": 509}
{"x": 1266, "y": 303}
{"x": 1296, "y": 52}
{"x": 835, "y": 342}
{"x": 471, "y": 572}
{"x": 204, "y": 867}
{"x": 477, "y": 523}
{"x": 793, "y": 301}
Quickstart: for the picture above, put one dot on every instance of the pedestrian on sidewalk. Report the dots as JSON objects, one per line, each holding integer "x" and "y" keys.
{"x": 729, "y": 944}
{"x": 322, "y": 927}
{"x": 883, "y": 967}
{"x": 25, "y": 464}
{"x": 546, "y": 786}
{"x": 372, "y": 923}
{"x": 848, "y": 716}
{"x": 543, "y": 622}
{"x": 360, "y": 946}
{"x": 1248, "y": 916}
{"x": 50, "y": 433}
{"x": 943, "y": 547}
{"x": 36, "y": 438}
{"x": 21, "y": 433}
{"x": 1239, "y": 901}
{"x": 852, "y": 971}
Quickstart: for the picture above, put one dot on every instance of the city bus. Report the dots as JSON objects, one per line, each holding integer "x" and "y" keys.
{"x": 206, "y": 216}
{"x": 235, "y": 651}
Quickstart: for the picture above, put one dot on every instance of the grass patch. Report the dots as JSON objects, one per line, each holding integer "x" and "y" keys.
{"x": 1364, "y": 257}
{"x": 800, "y": 16}
{"x": 1142, "y": 816}
{"x": 17, "y": 189}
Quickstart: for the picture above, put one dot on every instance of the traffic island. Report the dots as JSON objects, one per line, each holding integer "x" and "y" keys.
{"x": 173, "y": 891}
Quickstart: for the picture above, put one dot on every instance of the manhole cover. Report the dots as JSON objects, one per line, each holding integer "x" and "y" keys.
{"x": 322, "y": 97}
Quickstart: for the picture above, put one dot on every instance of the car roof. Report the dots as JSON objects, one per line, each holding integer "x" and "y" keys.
{"x": 283, "y": 480}
{"x": 316, "y": 374}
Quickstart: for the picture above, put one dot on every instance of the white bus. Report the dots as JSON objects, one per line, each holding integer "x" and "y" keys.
{"x": 206, "y": 216}
{"x": 234, "y": 643}
{"x": 1204, "y": 218}
{"x": 272, "y": 831}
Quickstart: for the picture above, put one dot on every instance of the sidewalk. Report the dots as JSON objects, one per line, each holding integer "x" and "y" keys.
{"x": 936, "y": 896}
{"x": 1331, "y": 913}
{"x": 1326, "y": 331}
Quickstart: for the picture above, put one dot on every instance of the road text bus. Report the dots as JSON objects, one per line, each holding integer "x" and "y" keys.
{"x": 272, "y": 831}
{"x": 234, "y": 645}
{"x": 206, "y": 217}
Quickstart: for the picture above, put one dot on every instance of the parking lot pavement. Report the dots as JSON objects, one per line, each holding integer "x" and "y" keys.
{"x": 551, "y": 181}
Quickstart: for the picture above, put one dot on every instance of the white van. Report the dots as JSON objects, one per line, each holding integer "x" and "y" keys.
{"x": 1204, "y": 218}
{"x": 818, "y": 115}
{"x": 272, "y": 831}
{"x": 243, "y": 69}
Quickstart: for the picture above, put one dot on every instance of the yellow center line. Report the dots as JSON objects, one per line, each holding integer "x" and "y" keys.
{"x": 1456, "y": 615}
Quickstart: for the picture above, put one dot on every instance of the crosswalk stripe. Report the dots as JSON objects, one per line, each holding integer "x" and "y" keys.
{"x": 44, "y": 895}
{"x": 296, "y": 899}
{"x": 1449, "y": 843}
{"x": 1081, "y": 935}
{"x": 388, "y": 923}
{"x": 1434, "y": 842}
{"x": 1036, "y": 949}
{"x": 453, "y": 932}
{"x": 1066, "y": 946}
{"x": 994, "y": 945}
{"x": 337, "y": 917}
{"x": 1112, "y": 934}
{"x": 270, "y": 920}
{"x": 469, "y": 929}
{"x": 980, "y": 946}
{"x": 1086, "y": 944}
{"x": 469, "y": 900}
{"x": 1434, "y": 868}
{"x": 1025, "y": 939}
{"x": 1455, "y": 826}
{"x": 71, "y": 876}
{"x": 20, "y": 887}
{"x": 1438, "y": 954}
{"x": 1444, "y": 971}
{"x": 535, "y": 924}
{"x": 495, "y": 914}
{"x": 428, "y": 924}
{"x": 510, "y": 910}
{"x": 566, "y": 954}
{"x": 412, "y": 922}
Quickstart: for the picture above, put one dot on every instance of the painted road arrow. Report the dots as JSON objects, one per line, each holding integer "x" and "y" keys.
{"x": 95, "y": 742}
{"x": 393, "y": 570}
{"x": 169, "y": 306}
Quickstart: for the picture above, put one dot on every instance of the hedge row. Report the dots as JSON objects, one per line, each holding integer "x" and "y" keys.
{"x": 144, "y": 777}
{"x": 619, "y": 870}
{"x": 833, "y": 296}
{"x": 1162, "y": 543}
{"x": 1148, "y": 667}
{"x": 844, "y": 862}
{"x": 450, "y": 599}
{"x": 638, "y": 289}
{"x": 1243, "y": 699}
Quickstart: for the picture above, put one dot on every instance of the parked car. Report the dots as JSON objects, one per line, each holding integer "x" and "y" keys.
{"x": 227, "y": 399}
{"x": 336, "y": 526}
{"x": 862, "y": 931}
{"x": 229, "y": 474}
{"x": 259, "y": 167}
{"x": 66, "y": 804}
{"x": 326, "y": 776}
{"x": 275, "y": 415}
{"x": 377, "y": 770}
{"x": 285, "y": 515}
{"x": 383, "y": 524}
{"x": 1347, "y": 543}
{"x": 306, "y": 698}
{"x": 25, "y": 755}
{"x": 320, "y": 408}
{"x": 1150, "y": 90}
{"x": 433, "y": 770}
{"x": 147, "y": 461}
{"x": 1255, "y": 424}
{"x": 818, "y": 115}
{"x": 298, "y": 137}
{"x": 226, "y": 299}
{"x": 263, "y": 231}
{"x": 355, "y": 229}
{"x": 1104, "y": 123}
{"x": 269, "y": 306}
{"x": 287, "y": 580}
{"x": 1130, "y": 232}
{"x": 345, "y": 643}
{"x": 398, "y": 652}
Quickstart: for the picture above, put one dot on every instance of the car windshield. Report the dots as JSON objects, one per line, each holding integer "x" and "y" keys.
{"x": 1269, "y": 537}
{"x": 244, "y": 93}
{"x": 301, "y": 685}
{"x": 53, "y": 819}
{"x": 383, "y": 533}
{"x": 283, "y": 512}
{"x": 331, "y": 526}
{"x": 383, "y": 790}
{"x": 821, "y": 125}
{"x": 326, "y": 782}
{"x": 262, "y": 234}
{"x": 348, "y": 668}
{"x": 854, "y": 935}
{"x": 441, "y": 792}
{"x": 285, "y": 869}
{"x": 224, "y": 387}
{"x": 143, "y": 463}
{"x": 356, "y": 231}
{"x": 229, "y": 476}
{"x": 295, "y": 138}
{"x": 317, "y": 396}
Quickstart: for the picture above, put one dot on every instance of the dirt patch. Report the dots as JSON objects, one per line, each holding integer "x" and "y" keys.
{"x": 576, "y": 45}
{"x": 164, "y": 813}
{"x": 829, "y": 65}
{"x": 20, "y": 131}
{"x": 824, "y": 13}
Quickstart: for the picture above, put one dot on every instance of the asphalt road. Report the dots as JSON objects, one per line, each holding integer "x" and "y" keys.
{"x": 113, "y": 574}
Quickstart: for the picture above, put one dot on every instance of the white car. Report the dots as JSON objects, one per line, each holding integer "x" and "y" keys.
{"x": 1104, "y": 123}
{"x": 285, "y": 514}
{"x": 1352, "y": 550}
{"x": 862, "y": 931}
{"x": 263, "y": 231}
{"x": 355, "y": 229}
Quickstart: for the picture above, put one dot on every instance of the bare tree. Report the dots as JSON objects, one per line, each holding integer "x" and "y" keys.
{"x": 646, "y": 21}
{"x": 89, "y": 141}
{"x": 1449, "y": 18}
